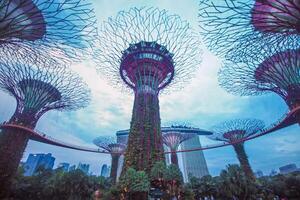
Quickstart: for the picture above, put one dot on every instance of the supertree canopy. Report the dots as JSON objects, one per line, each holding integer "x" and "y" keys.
{"x": 236, "y": 132}
{"x": 276, "y": 16}
{"x": 232, "y": 25}
{"x": 147, "y": 49}
{"x": 116, "y": 149}
{"x": 67, "y": 25}
{"x": 37, "y": 89}
{"x": 173, "y": 140}
{"x": 269, "y": 70}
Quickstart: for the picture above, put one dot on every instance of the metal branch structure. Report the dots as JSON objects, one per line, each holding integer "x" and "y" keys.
{"x": 237, "y": 130}
{"x": 147, "y": 49}
{"x": 229, "y": 26}
{"x": 173, "y": 140}
{"x": 269, "y": 70}
{"x": 37, "y": 89}
{"x": 116, "y": 149}
{"x": 66, "y": 25}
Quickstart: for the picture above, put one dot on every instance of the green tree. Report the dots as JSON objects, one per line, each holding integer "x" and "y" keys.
{"x": 157, "y": 175}
{"x": 194, "y": 185}
{"x": 187, "y": 193}
{"x": 55, "y": 185}
{"x": 135, "y": 184}
{"x": 233, "y": 183}
{"x": 174, "y": 180}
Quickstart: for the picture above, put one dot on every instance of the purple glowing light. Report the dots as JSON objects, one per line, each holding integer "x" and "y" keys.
{"x": 282, "y": 16}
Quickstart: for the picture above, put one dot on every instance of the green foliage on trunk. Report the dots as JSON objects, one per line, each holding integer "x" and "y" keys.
{"x": 158, "y": 171}
{"x": 12, "y": 146}
{"x": 145, "y": 141}
{"x": 173, "y": 173}
{"x": 243, "y": 158}
{"x": 134, "y": 181}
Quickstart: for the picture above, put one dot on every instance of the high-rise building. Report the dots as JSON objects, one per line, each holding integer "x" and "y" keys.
{"x": 167, "y": 156}
{"x": 35, "y": 161}
{"x": 72, "y": 168}
{"x": 288, "y": 168}
{"x": 273, "y": 172}
{"x": 83, "y": 167}
{"x": 120, "y": 166}
{"x": 64, "y": 166}
{"x": 259, "y": 174}
{"x": 105, "y": 170}
{"x": 194, "y": 162}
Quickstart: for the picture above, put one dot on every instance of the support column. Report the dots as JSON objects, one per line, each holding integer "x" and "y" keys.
{"x": 243, "y": 158}
{"x": 145, "y": 140}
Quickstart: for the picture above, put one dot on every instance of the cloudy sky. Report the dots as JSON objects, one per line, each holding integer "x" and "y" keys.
{"x": 202, "y": 103}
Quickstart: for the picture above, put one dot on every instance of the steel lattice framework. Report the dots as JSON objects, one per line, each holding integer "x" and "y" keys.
{"x": 37, "y": 89}
{"x": 110, "y": 145}
{"x": 116, "y": 149}
{"x": 66, "y": 25}
{"x": 234, "y": 130}
{"x": 269, "y": 70}
{"x": 233, "y": 25}
{"x": 173, "y": 140}
{"x": 147, "y": 49}
{"x": 237, "y": 130}
{"x": 167, "y": 32}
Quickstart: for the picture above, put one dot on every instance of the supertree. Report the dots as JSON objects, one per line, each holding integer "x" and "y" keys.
{"x": 147, "y": 49}
{"x": 37, "y": 89}
{"x": 116, "y": 149}
{"x": 269, "y": 70}
{"x": 173, "y": 140}
{"x": 29, "y": 27}
{"x": 229, "y": 26}
{"x": 235, "y": 132}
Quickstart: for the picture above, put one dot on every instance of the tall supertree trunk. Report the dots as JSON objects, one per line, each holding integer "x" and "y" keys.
{"x": 114, "y": 167}
{"x": 12, "y": 145}
{"x": 174, "y": 158}
{"x": 145, "y": 140}
{"x": 244, "y": 162}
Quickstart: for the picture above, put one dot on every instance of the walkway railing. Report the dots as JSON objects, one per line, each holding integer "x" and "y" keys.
{"x": 286, "y": 120}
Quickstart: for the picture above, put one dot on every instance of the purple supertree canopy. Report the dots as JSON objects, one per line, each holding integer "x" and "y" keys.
{"x": 236, "y": 130}
{"x": 147, "y": 47}
{"x": 110, "y": 144}
{"x": 68, "y": 25}
{"x": 174, "y": 139}
{"x": 276, "y": 16}
{"x": 38, "y": 88}
{"x": 116, "y": 149}
{"x": 269, "y": 70}
{"x": 229, "y": 26}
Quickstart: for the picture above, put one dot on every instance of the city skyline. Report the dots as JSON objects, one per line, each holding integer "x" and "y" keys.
{"x": 205, "y": 105}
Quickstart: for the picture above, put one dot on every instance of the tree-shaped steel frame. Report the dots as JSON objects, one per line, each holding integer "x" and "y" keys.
{"x": 68, "y": 25}
{"x": 110, "y": 144}
{"x": 37, "y": 89}
{"x": 268, "y": 70}
{"x": 233, "y": 132}
{"x": 173, "y": 140}
{"x": 174, "y": 36}
{"x": 116, "y": 149}
{"x": 232, "y": 25}
{"x": 147, "y": 49}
